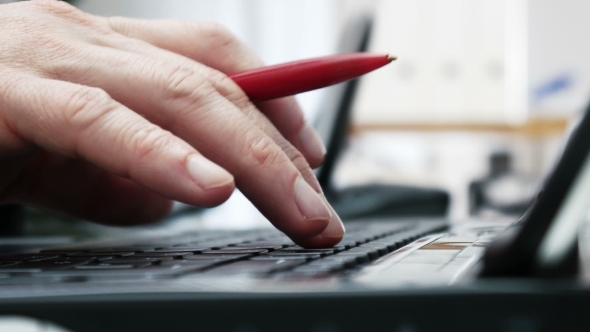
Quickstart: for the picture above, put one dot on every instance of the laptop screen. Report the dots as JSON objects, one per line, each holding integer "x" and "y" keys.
{"x": 546, "y": 237}
{"x": 334, "y": 118}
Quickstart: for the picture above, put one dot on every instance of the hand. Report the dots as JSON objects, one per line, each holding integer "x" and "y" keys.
{"x": 110, "y": 119}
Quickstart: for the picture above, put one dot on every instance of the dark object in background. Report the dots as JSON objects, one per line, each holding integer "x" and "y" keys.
{"x": 11, "y": 220}
{"x": 375, "y": 200}
{"x": 503, "y": 190}
{"x": 333, "y": 123}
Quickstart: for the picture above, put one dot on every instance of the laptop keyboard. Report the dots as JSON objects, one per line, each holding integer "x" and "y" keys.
{"x": 265, "y": 253}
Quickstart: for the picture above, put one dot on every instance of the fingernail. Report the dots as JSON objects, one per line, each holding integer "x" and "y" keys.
{"x": 309, "y": 202}
{"x": 311, "y": 142}
{"x": 335, "y": 227}
{"x": 207, "y": 174}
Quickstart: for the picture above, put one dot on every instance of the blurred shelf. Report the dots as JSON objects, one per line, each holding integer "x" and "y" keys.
{"x": 535, "y": 127}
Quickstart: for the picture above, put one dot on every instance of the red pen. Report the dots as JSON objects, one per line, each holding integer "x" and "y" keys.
{"x": 305, "y": 75}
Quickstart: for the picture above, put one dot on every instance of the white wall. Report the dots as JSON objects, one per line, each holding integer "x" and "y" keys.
{"x": 559, "y": 48}
{"x": 484, "y": 61}
{"x": 453, "y": 64}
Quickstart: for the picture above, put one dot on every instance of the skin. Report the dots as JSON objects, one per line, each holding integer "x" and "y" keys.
{"x": 111, "y": 119}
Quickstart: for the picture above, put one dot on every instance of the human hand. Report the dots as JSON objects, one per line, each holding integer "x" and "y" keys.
{"x": 110, "y": 119}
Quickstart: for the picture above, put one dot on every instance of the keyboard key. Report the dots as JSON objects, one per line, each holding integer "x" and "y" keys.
{"x": 61, "y": 253}
{"x": 27, "y": 257}
{"x": 270, "y": 244}
{"x": 146, "y": 248}
{"x": 105, "y": 266}
{"x": 256, "y": 267}
{"x": 193, "y": 249}
{"x": 149, "y": 272}
{"x": 353, "y": 241}
{"x": 372, "y": 253}
{"x": 92, "y": 257}
{"x": 195, "y": 264}
{"x": 215, "y": 245}
{"x": 348, "y": 244}
{"x": 339, "y": 248}
{"x": 317, "y": 269}
{"x": 380, "y": 248}
{"x": 62, "y": 250}
{"x": 139, "y": 260}
{"x": 268, "y": 247}
{"x": 31, "y": 267}
{"x": 217, "y": 259}
{"x": 322, "y": 252}
{"x": 163, "y": 254}
{"x": 274, "y": 258}
{"x": 106, "y": 253}
{"x": 231, "y": 250}
{"x": 392, "y": 242}
{"x": 305, "y": 255}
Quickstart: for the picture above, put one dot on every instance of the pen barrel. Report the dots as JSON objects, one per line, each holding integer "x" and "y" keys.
{"x": 300, "y": 76}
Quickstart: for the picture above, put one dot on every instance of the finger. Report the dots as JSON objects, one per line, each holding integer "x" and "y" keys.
{"x": 78, "y": 121}
{"x": 184, "y": 102}
{"x": 212, "y": 45}
{"x": 79, "y": 189}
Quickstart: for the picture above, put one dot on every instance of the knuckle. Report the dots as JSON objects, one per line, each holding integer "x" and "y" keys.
{"x": 149, "y": 140}
{"x": 221, "y": 80}
{"x": 189, "y": 92}
{"x": 300, "y": 163}
{"x": 298, "y": 159}
{"x": 266, "y": 152}
{"x": 49, "y": 4}
{"x": 10, "y": 84}
{"x": 86, "y": 105}
{"x": 64, "y": 10}
{"x": 182, "y": 83}
{"x": 228, "y": 88}
{"x": 219, "y": 37}
{"x": 217, "y": 32}
{"x": 10, "y": 87}
{"x": 120, "y": 24}
{"x": 292, "y": 153}
{"x": 84, "y": 109}
{"x": 221, "y": 43}
{"x": 56, "y": 7}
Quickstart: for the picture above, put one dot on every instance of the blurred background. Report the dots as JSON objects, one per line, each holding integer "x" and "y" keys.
{"x": 478, "y": 103}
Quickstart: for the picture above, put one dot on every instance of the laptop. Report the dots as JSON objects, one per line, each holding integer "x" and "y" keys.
{"x": 393, "y": 274}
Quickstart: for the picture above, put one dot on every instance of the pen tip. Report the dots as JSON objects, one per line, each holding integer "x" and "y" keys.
{"x": 391, "y": 57}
